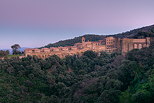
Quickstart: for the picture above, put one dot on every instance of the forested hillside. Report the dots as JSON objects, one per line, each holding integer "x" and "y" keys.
{"x": 71, "y": 42}
{"x": 91, "y": 78}
{"x": 147, "y": 31}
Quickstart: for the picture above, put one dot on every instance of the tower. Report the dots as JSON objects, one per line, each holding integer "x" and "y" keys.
{"x": 148, "y": 41}
{"x": 83, "y": 39}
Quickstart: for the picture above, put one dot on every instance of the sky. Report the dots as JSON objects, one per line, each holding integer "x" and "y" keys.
{"x": 35, "y": 23}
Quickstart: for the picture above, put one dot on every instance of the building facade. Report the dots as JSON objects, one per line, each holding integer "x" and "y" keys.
{"x": 109, "y": 45}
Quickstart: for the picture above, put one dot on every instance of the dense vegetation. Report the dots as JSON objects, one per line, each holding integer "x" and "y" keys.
{"x": 139, "y": 33}
{"x": 71, "y": 42}
{"x": 4, "y": 53}
{"x": 91, "y": 78}
{"x": 15, "y": 49}
{"x": 147, "y": 31}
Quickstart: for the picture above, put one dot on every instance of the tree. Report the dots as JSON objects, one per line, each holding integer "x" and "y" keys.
{"x": 90, "y": 54}
{"x": 4, "y": 53}
{"x": 15, "y": 48}
{"x": 109, "y": 96}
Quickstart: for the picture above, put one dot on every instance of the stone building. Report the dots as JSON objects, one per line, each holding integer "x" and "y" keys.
{"x": 130, "y": 44}
{"x": 124, "y": 45}
{"x": 109, "y": 44}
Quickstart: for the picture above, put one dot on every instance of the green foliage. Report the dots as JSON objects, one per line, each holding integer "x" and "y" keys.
{"x": 15, "y": 48}
{"x": 4, "y": 53}
{"x": 141, "y": 89}
{"x": 71, "y": 42}
{"x": 91, "y": 78}
{"x": 90, "y": 54}
{"x": 147, "y": 31}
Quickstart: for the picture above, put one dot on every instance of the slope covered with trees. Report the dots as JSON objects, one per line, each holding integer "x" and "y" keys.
{"x": 137, "y": 33}
{"x": 91, "y": 78}
{"x": 147, "y": 31}
{"x": 71, "y": 42}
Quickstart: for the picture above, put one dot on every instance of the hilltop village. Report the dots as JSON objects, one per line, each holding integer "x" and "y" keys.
{"x": 109, "y": 45}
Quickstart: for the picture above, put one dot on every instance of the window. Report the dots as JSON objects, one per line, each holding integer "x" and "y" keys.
{"x": 140, "y": 46}
{"x": 135, "y": 46}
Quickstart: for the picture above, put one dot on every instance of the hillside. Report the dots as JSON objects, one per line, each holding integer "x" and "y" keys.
{"x": 107, "y": 78}
{"x": 71, "y": 42}
{"x": 141, "y": 32}
{"x": 136, "y": 33}
{"x": 90, "y": 78}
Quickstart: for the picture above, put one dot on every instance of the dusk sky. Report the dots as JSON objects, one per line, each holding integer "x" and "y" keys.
{"x": 35, "y": 23}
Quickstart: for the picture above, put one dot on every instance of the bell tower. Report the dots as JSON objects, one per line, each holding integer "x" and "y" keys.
{"x": 83, "y": 39}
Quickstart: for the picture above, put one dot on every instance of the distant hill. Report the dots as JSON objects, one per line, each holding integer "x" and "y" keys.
{"x": 147, "y": 31}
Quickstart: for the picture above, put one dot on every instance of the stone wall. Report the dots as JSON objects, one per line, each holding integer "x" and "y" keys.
{"x": 130, "y": 44}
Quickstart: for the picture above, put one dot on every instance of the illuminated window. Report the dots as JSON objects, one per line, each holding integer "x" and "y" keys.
{"x": 135, "y": 46}
{"x": 140, "y": 46}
